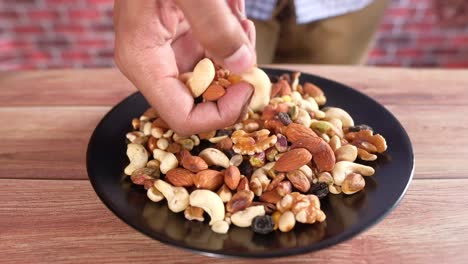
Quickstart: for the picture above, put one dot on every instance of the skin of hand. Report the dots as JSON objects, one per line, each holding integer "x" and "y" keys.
{"x": 452, "y": 13}
{"x": 155, "y": 40}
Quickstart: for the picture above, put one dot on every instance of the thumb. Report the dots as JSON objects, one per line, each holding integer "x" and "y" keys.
{"x": 220, "y": 33}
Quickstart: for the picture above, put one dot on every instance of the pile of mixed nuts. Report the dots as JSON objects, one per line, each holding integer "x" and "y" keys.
{"x": 268, "y": 171}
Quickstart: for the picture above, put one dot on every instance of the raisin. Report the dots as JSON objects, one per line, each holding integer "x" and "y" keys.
{"x": 284, "y": 118}
{"x": 223, "y": 132}
{"x": 246, "y": 168}
{"x": 203, "y": 145}
{"x": 229, "y": 153}
{"x": 358, "y": 128}
{"x": 319, "y": 189}
{"x": 262, "y": 224}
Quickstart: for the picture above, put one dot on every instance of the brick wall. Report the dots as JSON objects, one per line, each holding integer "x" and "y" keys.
{"x": 37, "y": 34}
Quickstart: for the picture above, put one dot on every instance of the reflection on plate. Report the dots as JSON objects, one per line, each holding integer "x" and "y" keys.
{"x": 346, "y": 215}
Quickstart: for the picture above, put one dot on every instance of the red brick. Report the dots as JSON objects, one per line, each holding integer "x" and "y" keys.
{"x": 461, "y": 40}
{"x": 75, "y": 55}
{"x": 100, "y": 2}
{"x": 94, "y": 43}
{"x": 400, "y": 12}
{"x": 43, "y": 14}
{"x": 432, "y": 40}
{"x": 377, "y": 53}
{"x": 419, "y": 26}
{"x": 37, "y": 56}
{"x": 8, "y": 15}
{"x": 28, "y": 29}
{"x": 463, "y": 64}
{"x": 84, "y": 13}
{"x": 70, "y": 28}
{"x": 62, "y": 2}
{"x": 411, "y": 53}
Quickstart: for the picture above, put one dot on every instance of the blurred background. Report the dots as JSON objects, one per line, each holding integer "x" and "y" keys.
{"x": 46, "y": 34}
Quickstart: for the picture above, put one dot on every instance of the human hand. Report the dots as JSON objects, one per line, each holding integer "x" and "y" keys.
{"x": 452, "y": 12}
{"x": 155, "y": 40}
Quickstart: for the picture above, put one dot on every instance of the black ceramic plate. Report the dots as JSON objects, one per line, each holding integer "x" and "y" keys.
{"x": 346, "y": 215}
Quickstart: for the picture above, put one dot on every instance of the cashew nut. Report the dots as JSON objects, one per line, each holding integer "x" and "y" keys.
{"x": 203, "y": 74}
{"x": 343, "y": 168}
{"x": 220, "y": 227}
{"x": 167, "y": 159}
{"x": 154, "y": 195}
{"x": 214, "y": 156}
{"x": 334, "y": 112}
{"x": 346, "y": 153}
{"x": 210, "y": 202}
{"x": 244, "y": 218}
{"x": 177, "y": 197}
{"x": 138, "y": 158}
{"x": 262, "y": 85}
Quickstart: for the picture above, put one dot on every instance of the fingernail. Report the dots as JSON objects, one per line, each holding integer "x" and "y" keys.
{"x": 240, "y": 60}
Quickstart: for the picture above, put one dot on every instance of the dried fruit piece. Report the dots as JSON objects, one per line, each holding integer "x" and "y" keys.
{"x": 319, "y": 189}
{"x": 293, "y": 160}
{"x": 284, "y": 118}
{"x": 262, "y": 224}
{"x": 214, "y": 92}
{"x": 315, "y": 92}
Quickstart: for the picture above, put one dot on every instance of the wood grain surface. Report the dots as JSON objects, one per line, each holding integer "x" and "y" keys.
{"x": 51, "y": 220}
{"x": 50, "y": 213}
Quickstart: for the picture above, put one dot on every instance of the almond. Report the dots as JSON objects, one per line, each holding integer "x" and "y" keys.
{"x": 312, "y": 89}
{"x": 207, "y": 135}
{"x": 296, "y": 131}
{"x": 192, "y": 163}
{"x": 232, "y": 177}
{"x": 323, "y": 154}
{"x": 152, "y": 141}
{"x": 159, "y": 122}
{"x": 299, "y": 180}
{"x": 209, "y": 179}
{"x": 270, "y": 197}
{"x": 180, "y": 177}
{"x": 214, "y": 92}
{"x": 293, "y": 160}
{"x": 243, "y": 184}
{"x": 224, "y": 144}
{"x": 240, "y": 201}
{"x": 174, "y": 148}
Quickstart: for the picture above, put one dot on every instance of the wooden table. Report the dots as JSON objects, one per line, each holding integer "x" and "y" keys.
{"x": 50, "y": 213}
